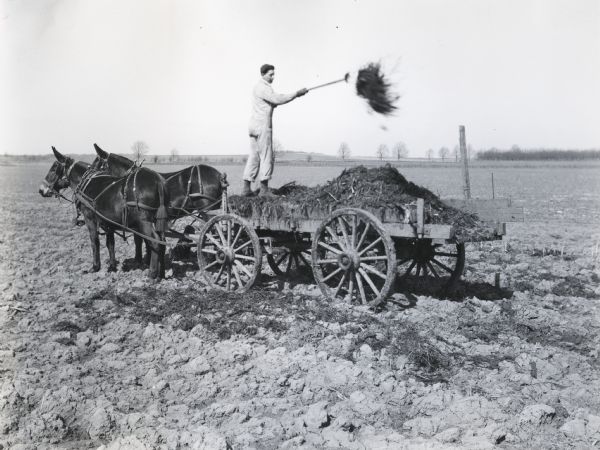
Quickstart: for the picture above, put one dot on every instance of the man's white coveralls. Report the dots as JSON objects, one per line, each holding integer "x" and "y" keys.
{"x": 261, "y": 158}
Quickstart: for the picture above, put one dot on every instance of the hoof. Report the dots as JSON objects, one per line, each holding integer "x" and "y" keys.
{"x": 111, "y": 269}
{"x": 94, "y": 269}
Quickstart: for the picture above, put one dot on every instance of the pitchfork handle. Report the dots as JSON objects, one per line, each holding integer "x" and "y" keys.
{"x": 331, "y": 82}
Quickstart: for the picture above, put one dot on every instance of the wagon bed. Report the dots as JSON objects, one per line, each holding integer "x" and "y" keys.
{"x": 493, "y": 214}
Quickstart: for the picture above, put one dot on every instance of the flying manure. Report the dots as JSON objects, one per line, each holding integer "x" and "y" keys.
{"x": 373, "y": 86}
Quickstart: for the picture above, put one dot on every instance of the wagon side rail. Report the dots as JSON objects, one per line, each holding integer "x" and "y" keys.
{"x": 396, "y": 226}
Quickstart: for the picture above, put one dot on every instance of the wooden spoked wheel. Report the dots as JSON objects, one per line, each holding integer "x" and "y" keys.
{"x": 354, "y": 257}
{"x": 290, "y": 260}
{"x": 229, "y": 253}
{"x": 421, "y": 263}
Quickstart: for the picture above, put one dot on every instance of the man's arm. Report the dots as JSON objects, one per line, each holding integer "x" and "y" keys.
{"x": 268, "y": 94}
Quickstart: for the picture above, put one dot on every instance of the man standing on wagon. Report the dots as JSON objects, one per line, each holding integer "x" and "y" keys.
{"x": 261, "y": 158}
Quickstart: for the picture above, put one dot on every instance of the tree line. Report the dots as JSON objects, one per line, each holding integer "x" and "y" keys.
{"x": 517, "y": 154}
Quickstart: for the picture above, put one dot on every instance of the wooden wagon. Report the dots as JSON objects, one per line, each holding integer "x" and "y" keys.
{"x": 352, "y": 253}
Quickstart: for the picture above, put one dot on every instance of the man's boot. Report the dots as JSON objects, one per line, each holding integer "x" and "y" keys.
{"x": 265, "y": 191}
{"x": 246, "y": 191}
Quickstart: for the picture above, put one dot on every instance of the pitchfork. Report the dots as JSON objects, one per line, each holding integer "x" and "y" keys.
{"x": 346, "y": 77}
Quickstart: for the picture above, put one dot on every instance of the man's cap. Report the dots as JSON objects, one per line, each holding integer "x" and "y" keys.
{"x": 265, "y": 68}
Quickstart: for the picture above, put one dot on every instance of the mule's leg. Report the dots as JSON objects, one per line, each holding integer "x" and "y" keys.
{"x": 148, "y": 252}
{"x": 155, "y": 252}
{"x": 110, "y": 245}
{"x": 138, "y": 248}
{"x": 161, "y": 256}
{"x": 92, "y": 227}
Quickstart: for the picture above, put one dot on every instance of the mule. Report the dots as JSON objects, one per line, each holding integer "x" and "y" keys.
{"x": 137, "y": 201}
{"x": 191, "y": 190}
{"x": 195, "y": 188}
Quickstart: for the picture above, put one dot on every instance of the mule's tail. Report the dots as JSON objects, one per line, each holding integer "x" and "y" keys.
{"x": 162, "y": 218}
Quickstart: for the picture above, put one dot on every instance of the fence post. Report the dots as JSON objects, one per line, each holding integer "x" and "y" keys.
{"x": 465, "y": 165}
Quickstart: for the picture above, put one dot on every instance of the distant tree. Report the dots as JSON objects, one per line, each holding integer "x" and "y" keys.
{"x": 278, "y": 149}
{"x": 515, "y": 148}
{"x": 174, "y": 156}
{"x": 155, "y": 159}
{"x": 537, "y": 154}
{"x": 382, "y": 151}
{"x": 456, "y": 153}
{"x": 430, "y": 154}
{"x": 470, "y": 151}
{"x": 400, "y": 151}
{"x": 443, "y": 153}
{"x": 139, "y": 149}
{"x": 344, "y": 151}
{"x": 309, "y": 157}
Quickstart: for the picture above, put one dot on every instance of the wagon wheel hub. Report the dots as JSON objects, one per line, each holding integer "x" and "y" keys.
{"x": 225, "y": 256}
{"x": 349, "y": 260}
{"x": 424, "y": 252}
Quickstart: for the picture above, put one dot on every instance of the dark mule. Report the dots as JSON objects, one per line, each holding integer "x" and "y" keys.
{"x": 195, "y": 188}
{"x": 135, "y": 201}
{"x": 191, "y": 190}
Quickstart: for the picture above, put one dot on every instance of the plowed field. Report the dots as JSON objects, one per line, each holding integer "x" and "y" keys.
{"x": 114, "y": 360}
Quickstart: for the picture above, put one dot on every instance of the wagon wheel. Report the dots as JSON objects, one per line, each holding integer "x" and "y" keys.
{"x": 229, "y": 253}
{"x": 290, "y": 260}
{"x": 424, "y": 264}
{"x": 353, "y": 256}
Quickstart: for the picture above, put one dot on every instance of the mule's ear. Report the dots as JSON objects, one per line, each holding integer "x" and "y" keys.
{"x": 101, "y": 153}
{"x": 58, "y": 155}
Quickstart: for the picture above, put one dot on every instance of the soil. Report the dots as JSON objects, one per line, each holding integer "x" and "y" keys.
{"x": 117, "y": 361}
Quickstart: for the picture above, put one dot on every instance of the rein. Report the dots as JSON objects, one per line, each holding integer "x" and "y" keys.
{"x": 59, "y": 195}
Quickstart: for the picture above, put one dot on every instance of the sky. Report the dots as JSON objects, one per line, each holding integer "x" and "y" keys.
{"x": 179, "y": 74}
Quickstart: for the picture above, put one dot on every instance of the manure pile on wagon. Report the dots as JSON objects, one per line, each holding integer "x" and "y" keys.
{"x": 383, "y": 191}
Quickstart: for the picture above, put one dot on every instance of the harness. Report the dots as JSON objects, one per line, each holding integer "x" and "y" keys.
{"x": 191, "y": 196}
{"x": 71, "y": 168}
{"x": 81, "y": 197}
{"x": 79, "y": 193}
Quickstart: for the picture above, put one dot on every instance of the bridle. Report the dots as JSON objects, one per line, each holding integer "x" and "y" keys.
{"x": 67, "y": 167}
{"x": 104, "y": 166}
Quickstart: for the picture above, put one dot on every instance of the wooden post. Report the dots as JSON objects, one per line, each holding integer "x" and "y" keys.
{"x": 420, "y": 217}
{"x": 493, "y": 191}
{"x": 465, "y": 165}
{"x": 224, "y": 196}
